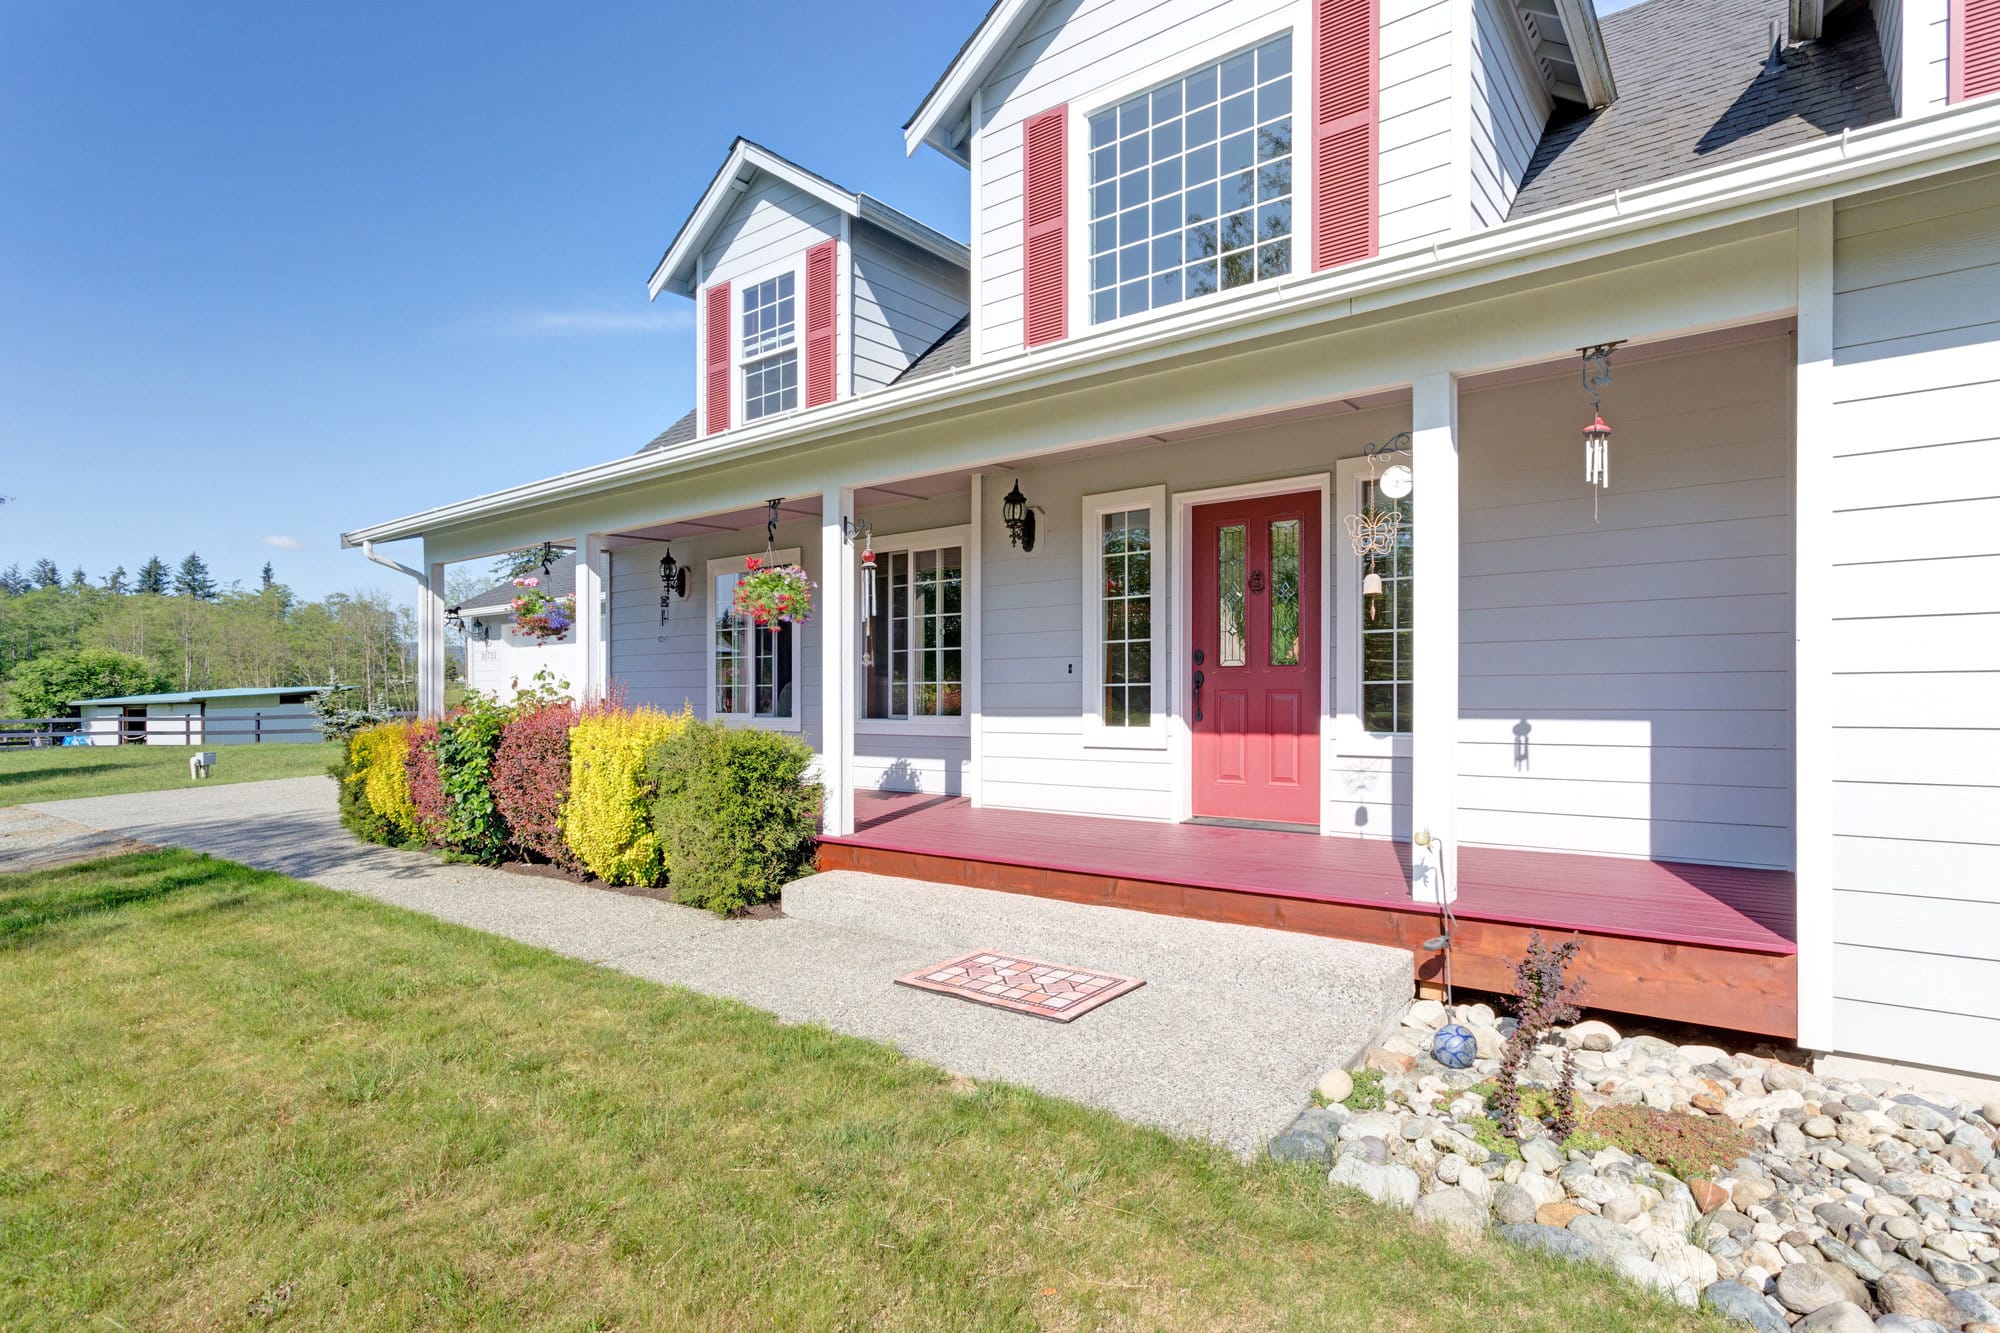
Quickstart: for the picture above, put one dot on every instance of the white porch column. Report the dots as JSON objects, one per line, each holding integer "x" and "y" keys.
{"x": 972, "y": 603}
{"x": 1814, "y": 439}
{"x": 593, "y": 614}
{"x": 1434, "y": 567}
{"x": 837, "y": 648}
{"x": 430, "y": 640}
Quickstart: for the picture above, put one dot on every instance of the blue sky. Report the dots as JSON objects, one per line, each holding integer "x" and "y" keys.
{"x": 272, "y": 271}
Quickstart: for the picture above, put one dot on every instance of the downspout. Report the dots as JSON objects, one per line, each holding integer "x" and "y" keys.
{"x": 423, "y": 619}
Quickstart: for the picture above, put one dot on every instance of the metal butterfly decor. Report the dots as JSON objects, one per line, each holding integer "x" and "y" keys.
{"x": 1373, "y": 532}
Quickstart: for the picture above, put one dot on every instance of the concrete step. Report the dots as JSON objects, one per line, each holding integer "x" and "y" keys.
{"x": 1352, "y": 992}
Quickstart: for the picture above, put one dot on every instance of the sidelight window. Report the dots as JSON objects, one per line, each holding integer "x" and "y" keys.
{"x": 1124, "y": 616}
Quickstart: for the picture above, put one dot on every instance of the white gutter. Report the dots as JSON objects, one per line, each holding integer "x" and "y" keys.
{"x": 1775, "y": 182}
{"x": 368, "y": 549}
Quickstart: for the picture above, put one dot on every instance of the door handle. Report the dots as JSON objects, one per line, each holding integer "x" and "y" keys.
{"x": 1199, "y": 679}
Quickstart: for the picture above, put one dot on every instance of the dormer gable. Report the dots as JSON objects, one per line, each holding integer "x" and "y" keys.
{"x": 804, "y": 292}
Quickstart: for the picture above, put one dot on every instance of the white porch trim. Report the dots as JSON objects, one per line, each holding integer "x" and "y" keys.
{"x": 1434, "y": 568}
{"x": 838, "y": 671}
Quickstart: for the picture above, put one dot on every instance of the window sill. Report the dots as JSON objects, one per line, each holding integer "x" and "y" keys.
{"x": 912, "y": 726}
{"x": 755, "y": 723}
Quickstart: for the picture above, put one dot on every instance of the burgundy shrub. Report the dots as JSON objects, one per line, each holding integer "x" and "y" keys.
{"x": 531, "y": 780}
{"x": 426, "y": 785}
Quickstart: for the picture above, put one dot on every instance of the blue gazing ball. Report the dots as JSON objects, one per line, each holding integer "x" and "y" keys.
{"x": 1453, "y": 1047}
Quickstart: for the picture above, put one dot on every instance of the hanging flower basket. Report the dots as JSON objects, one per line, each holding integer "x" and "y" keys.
{"x": 768, "y": 594}
{"x": 539, "y": 615}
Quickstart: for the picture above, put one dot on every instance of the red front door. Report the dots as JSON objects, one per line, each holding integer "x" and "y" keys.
{"x": 1256, "y": 659}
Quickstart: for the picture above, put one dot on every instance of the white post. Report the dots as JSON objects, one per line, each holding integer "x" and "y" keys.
{"x": 837, "y": 645}
{"x": 970, "y": 605}
{"x": 430, "y": 640}
{"x": 1814, "y": 428}
{"x": 1434, "y": 570}
{"x": 593, "y": 614}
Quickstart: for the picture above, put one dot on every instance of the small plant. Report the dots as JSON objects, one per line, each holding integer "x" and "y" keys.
{"x": 768, "y": 594}
{"x": 1687, "y": 1145}
{"x": 1544, "y": 998}
{"x": 539, "y": 615}
{"x": 1367, "y": 1094}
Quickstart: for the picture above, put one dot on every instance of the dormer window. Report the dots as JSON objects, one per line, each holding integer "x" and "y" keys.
{"x": 769, "y": 352}
{"x": 1191, "y": 185}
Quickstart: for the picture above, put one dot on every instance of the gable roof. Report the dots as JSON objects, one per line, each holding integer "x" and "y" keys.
{"x": 745, "y": 160}
{"x": 679, "y": 433}
{"x": 952, "y": 351}
{"x": 1568, "y": 47}
{"x": 1696, "y": 91}
{"x": 560, "y": 581}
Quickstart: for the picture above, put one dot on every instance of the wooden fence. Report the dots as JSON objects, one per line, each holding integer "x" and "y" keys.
{"x": 186, "y": 729}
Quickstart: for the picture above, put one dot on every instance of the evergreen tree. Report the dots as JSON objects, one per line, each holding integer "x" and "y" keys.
{"x": 45, "y": 574}
{"x": 78, "y": 579}
{"x": 114, "y": 582}
{"x": 269, "y": 577}
{"x": 192, "y": 579}
{"x": 153, "y": 577}
{"x": 12, "y": 581}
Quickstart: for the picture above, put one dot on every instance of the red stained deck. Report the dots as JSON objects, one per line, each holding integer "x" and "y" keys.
{"x": 1691, "y": 943}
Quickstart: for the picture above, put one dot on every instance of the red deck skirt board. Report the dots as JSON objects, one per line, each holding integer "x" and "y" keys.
{"x": 1694, "y": 943}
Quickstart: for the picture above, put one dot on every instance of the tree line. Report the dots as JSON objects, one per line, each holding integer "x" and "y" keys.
{"x": 67, "y": 636}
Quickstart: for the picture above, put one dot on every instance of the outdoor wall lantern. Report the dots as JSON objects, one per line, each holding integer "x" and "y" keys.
{"x": 1020, "y": 520}
{"x": 483, "y": 630}
{"x": 673, "y": 582}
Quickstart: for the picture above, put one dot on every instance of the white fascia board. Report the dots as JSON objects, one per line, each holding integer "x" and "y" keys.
{"x": 1808, "y": 19}
{"x": 904, "y": 227}
{"x": 1586, "y": 48}
{"x": 743, "y": 158}
{"x": 1779, "y": 181}
{"x": 951, "y": 100}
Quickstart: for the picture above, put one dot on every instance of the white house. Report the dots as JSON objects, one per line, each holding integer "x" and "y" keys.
{"x": 500, "y": 658}
{"x": 1712, "y": 693}
{"x": 247, "y": 715}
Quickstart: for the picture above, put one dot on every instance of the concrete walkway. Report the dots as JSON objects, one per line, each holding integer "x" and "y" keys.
{"x": 1231, "y": 1029}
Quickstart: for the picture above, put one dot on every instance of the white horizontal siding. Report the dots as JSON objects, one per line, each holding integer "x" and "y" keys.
{"x": 510, "y": 661}
{"x": 1888, "y": 16}
{"x": 1074, "y": 50}
{"x": 1916, "y": 641}
{"x": 769, "y": 224}
{"x": 1625, "y": 675}
{"x": 904, "y": 301}
{"x": 1509, "y": 109}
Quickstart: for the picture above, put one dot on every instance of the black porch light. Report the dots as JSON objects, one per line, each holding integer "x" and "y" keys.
{"x": 1020, "y": 520}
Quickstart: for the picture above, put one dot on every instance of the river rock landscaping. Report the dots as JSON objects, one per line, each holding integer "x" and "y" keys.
{"x": 1746, "y": 1184}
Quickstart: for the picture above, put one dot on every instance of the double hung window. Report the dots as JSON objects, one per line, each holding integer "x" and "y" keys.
{"x": 1191, "y": 185}
{"x": 753, "y": 669}
{"x": 769, "y": 351}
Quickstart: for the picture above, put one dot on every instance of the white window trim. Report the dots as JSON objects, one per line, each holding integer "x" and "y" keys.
{"x": 1177, "y": 66}
{"x": 1350, "y": 735}
{"x": 738, "y": 400}
{"x": 796, "y": 722}
{"x": 968, "y": 610}
{"x": 1156, "y": 733}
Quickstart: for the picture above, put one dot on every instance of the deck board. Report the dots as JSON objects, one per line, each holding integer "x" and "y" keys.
{"x": 1742, "y": 910}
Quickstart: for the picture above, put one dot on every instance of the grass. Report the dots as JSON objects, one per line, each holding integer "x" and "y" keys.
{"x": 234, "y": 1100}
{"x": 58, "y": 772}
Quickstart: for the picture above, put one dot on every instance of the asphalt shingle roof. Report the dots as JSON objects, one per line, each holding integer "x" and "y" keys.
{"x": 952, "y": 351}
{"x": 679, "y": 433}
{"x": 560, "y": 581}
{"x": 1693, "y": 92}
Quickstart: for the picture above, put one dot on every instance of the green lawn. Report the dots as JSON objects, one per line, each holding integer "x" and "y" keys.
{"x": 232, "y": 1099}
{"x": 58, "y": 772}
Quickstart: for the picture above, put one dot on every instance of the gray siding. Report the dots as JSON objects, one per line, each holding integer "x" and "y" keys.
{"x": 1889, "y": 28}
{"x": 769, "y": 223}
{"x": 1509, "y": 108}
{"x": 1916, "y": 512}
{"x": 904, "y": 300}
{"x": 1073, "y": 49}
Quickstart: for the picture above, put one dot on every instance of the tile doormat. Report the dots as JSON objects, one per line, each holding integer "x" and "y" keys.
{"x": 1045, "y": 990}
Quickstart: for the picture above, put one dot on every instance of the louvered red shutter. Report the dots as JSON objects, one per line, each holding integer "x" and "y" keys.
{"x": 822, "y": 322}
{"x": 1975, "y": 48}
{"x": 1346, "y": 102}
{"x": 718, "y": 357}
{"x": 1045, "y": 215}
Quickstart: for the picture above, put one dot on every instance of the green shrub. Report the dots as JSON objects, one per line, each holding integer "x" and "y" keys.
{"x": 608, "y": 818}
{"x": 465, "y": 745}
{"x": 735, "y": 814}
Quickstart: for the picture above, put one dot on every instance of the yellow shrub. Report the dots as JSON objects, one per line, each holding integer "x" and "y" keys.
{"x": 376, "y": 763}
{"x": 608, "y": 819}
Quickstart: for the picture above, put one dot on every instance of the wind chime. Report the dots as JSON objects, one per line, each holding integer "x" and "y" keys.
{"x": 867, "y": 532}
{"x": 673, "y": 583}
{"x": 1372, "y": 532}
{"x": 1597, "y": 435}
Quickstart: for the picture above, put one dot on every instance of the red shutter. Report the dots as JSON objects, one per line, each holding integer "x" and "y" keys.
{"x": 718, "y": 357}
{"x": 1045, "y": 218}
{"x": 1975, "y": 48}
{"x": 822, "y": 322}
{"x": 1346, "y": 80}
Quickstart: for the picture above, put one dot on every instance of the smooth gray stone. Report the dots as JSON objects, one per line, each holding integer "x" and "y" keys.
{"x": 1843, "y": 1253}
{"x": 1606, "y": 1236}
{"x": 1804, "y": 1288}
{"x": 1976, "y": 1308}
{"x": 1513, "y": 1205}
{"x": 1745, "y": 1306}
{"x": 1902, "y": 1323}
{"x": 1552, "y": 1240}
{"x": 1840, "y": 1317}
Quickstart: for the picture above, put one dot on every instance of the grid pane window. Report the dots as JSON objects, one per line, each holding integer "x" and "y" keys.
{"x": 1386, "y": 637}
{"x": 769, "y": 347}
{"x": 1125, "y": 562}
{"x": 1191, "y": 185}
{"x": 753, "y": 663}
{"x": 915, "y": 651}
